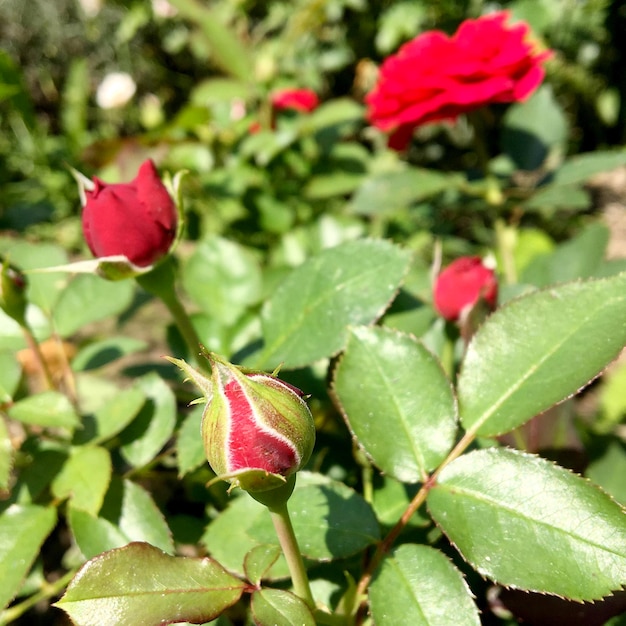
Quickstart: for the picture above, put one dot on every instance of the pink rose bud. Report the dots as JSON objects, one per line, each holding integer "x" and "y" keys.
{"x": 303, "y": 100}
{"x": 460, "y": 286}
{"x": 137, "y": 219}
{"x": 257, "y": 429}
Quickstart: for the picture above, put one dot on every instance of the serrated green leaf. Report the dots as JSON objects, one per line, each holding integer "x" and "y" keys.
{"x": 524, "y": 522}
{"x": 608, "y": 471}
{"x": 258, "y": 562}
{"x": 139, "y": 585}
{"x": 49, "y": 408}
{"x": 397, "y": 401}
{"x": 189, "y": 445}
{"x": 153, "y": 426}
{"x": 331, "y": 521}
{"x": 538, "y": 350}
{"x": 579, "y": 168}
{"x": 418, "y": 585}
{"x": 276, "y": 606}
{"x": 306, "y": 318}
{"x": 84, "y": 478}
{"x": 23, "y": 528}
{"x": 223, "y": 278}
{"x": 89, "y": 298}
{"x": 10, "y": 374}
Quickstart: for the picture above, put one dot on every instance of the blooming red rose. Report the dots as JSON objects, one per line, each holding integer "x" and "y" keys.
{"x": 303, "y": 100}
{"x": 460, "y": 285}
{"x": 136, "y": 219}
{"x": 435, "y": 77}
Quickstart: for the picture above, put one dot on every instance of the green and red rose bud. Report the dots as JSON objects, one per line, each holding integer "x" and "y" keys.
{"x": 13, "y": 292}
{"x": 257, "y": 429}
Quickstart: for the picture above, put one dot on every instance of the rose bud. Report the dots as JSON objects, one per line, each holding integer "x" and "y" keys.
{"x": 302, "y": 100}
{"x": 462, "y": 285}
{"x": 12, "y": 292}
{"x": 137, "y": 220}
{"x": 257, "y": 429}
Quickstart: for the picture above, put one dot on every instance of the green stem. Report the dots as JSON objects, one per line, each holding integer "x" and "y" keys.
{"x": 289, "y": 545}
{"x": 48, "y": 590}
{"x": 161, "y": 282}
{"x": 387, "y": 543}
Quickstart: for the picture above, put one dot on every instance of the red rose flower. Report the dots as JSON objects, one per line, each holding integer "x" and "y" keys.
{"x": 303, "y": 100}
{"x": 460, "y": 285}
{"x": 136, "y": 219}
{"x": 435, "y": 77}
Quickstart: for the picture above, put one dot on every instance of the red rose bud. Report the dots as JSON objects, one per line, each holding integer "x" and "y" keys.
{"x": 461, "y": 285}
{"x": 257, "y": 430}
{"x": 137, "y": 220}
{"x": 435, "y": 77}
{"x": 303, "y": 100}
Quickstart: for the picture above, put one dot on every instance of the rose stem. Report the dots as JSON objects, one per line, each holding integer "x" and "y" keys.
{"x": 289, "y": 545}
{"x": 161, "y": 282}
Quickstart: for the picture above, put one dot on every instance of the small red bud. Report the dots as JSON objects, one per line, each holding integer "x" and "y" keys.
{"x": 462, "y": 284}
{"x": 303, "y": 100}
{"x": 136, "y": 219}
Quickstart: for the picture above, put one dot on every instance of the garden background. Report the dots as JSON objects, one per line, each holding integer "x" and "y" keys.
{"x": 105, "y": 449}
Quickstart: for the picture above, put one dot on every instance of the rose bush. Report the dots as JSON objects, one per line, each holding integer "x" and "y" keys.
{"x": 460, "y": 285}
{"x": 137, "y": 220}
{"x": 435, "y": 77}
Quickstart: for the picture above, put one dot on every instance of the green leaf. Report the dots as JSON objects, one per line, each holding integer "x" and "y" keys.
{"x": 10, "y": 374}
{"x": 331, "y": 521}
{"x": 101, "y": 353}
{"x": 139, "y": 585}
{"x": 223, "y": 278}
{"x": 43, "y": 288}
{"x": 258, "y": 562}
{"x": 112, "y": 417}
{"x": 144, "y": 438}
{"x": 84, "y": 478}
{"x": 226, "y": 49}
{"x": 276, "y": 606}
{"x": 538, "y": 350}
{"x": 22, "y": 531}
{"x": 578, "y": 169}
{"x": 389, "y": 192}
{"x": 397, "y": 400}
{"x": 609, "y": 470}
{"x": 531, "y": 128}
{"x": 525, "y": 522}
{"x": 189, "y": 445}
{"x": 49, "y": 408}
{"x": 94, "y": 535}
{"x": 580, "y": 257}
{"x": 89, "y": 298}
{"x": 6, "y": 457}
{"x": 215, "y": 90}
{"x": 418, "y": 585}
{"x": 306, "y": 318}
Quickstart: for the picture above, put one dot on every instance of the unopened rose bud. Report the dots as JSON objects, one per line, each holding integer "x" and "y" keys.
{"x": 303, "y": 100}
{"x": 461, "y": 285}
{"x": 257, "y": 429}
{"x": 12, "y": 292}
{"x": 137, "y": 219}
